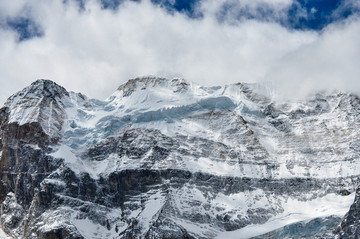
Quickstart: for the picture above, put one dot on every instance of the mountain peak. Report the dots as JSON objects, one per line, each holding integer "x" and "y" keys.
{"x": 41, "y": 102}
{"x": 143, "y": 83}
{"x": 47, "y": 88}
{"x": 39, "y": 89}
{"x": 43, "y": 82}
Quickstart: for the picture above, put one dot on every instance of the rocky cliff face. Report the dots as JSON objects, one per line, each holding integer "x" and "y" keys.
{"x": 170, "y": 159}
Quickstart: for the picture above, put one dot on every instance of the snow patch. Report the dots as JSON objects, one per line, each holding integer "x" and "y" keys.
{"x": 90, "y": 230}
{"x": 151, "y": 209}
{"x": 296, "y": 211}
{"x": 3, "y": 235}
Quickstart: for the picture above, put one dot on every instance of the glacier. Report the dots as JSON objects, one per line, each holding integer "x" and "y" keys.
{"x": 164, "y": 158}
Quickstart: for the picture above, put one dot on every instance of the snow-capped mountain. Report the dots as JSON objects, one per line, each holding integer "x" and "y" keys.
{"x": 171, "y": 159}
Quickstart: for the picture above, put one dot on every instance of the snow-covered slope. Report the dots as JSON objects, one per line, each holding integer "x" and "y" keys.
{"x": 173, "y": 159}
{"x": 41, "y": 102}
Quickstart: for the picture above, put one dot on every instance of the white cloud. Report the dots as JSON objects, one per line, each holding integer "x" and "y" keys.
{"x": 12, "y": 8}
{"x": 330, "y": 62}
{"x": 214, "y": 5}
{"x": 95, "y": 50}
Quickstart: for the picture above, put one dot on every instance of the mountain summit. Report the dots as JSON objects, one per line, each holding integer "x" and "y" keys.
{"x": 177, "y": 85}
{"x": 172, "y": 159}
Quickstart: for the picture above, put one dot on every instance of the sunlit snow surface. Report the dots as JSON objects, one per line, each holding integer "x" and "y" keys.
{"x": 296, "y": 211}
{"x": 3, "y": 235}
{"x": 221, "y": 131}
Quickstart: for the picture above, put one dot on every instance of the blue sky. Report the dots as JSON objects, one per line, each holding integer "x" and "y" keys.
{"x": 299, "y": 15}
{"x": 92, "y": 46}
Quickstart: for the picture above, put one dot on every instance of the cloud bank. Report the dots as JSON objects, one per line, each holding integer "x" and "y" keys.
{"x": 93, "y": 50}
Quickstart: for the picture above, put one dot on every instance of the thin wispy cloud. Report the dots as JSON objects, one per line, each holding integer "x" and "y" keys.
{"x": 92, "y": 48}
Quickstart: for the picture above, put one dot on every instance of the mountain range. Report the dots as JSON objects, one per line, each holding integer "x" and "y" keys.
{"x": 167, "y": 158}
